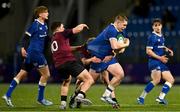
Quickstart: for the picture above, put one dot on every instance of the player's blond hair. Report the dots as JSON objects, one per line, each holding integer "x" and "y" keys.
{"x": 121, "y": 18}
{"x": 40, "y": 9}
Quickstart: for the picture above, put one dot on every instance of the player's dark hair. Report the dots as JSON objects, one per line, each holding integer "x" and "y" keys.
{"x": 55, "y": 25}
{"x": 156, "y": 20}
{"x": 121, "y": 18}
{"x": 39, "y": 10}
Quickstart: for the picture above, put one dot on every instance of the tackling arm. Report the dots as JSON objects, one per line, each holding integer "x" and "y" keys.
{"x": 87, "y": 61}
{"x": 75, "y": 48}
{"x": 79, "y": 28}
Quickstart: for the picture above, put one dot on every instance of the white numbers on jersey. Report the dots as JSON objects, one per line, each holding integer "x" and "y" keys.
{"x": 54, "y": 46}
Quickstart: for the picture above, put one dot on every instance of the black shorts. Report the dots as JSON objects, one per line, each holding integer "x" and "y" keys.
{"x": 27, "y": 67}
{"x": 72, "y": 68}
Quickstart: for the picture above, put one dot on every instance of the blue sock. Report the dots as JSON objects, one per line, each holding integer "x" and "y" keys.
{"x": 165, "y": 88}
{"x": 41, "y": 92}
{"x": 149, "y": 87}
{"x": 11, "y": 88}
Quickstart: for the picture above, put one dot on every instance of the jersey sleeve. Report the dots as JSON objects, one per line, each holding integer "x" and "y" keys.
{"x": 151, "y": 42}
{"x": 24, "y": 42}
{"x": 111, "y": 33}
{"x": 68, "y": 33}
{"x": 32, "y": 29}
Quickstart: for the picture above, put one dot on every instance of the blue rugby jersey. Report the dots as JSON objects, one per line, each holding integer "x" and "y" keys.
{"x": 37, "y": 32}
{"x": 156, "y": 43}
{"x": 101, "y": 46}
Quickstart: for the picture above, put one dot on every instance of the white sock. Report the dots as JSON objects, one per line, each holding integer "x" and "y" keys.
{"x": 143, "y": 94}
{"x": 17, "y": 81}
{"x": 42, "y": 84}
{"x": 80, "y": 95}
{"x": 107, "y": 93}
{"x": 108, "y": 90}
{"x": 162, "y": 95}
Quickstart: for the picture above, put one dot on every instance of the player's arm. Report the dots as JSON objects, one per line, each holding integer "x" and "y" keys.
{"x": 108, "y": 58}
{"x": 75, "y": 48}
{"x": 117, "y": 45}
{"x": 79, "y": 28}
{"x": 150, "y": 52}
{"x": 26, "y": 38}
{"x": 169, "y": 51}
{"x": 126, "y": 40}
{"x": 46, "y": 44}
{"x": 87, "y": 61}
{"x": 24, "y": 44}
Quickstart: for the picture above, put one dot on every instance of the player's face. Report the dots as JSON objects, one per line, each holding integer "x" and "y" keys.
{"x": 121, "y": 25}
{"x": 157, "y": 27}
{"x": 44, "y": 15}
{"x": 61, "y": 28}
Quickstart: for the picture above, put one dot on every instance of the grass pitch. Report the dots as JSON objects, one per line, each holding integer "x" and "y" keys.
{"x": 24, "y": 99}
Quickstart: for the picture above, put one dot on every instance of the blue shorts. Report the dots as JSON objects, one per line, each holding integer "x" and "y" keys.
{"x": 99, "y": 67}
{"x": 36, "y": 59}
{"x": 155, "y": 64}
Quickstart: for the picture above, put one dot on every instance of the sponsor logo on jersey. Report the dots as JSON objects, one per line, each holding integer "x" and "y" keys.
{"x": 120, "y": 38}
{"x": 43, "y": 35}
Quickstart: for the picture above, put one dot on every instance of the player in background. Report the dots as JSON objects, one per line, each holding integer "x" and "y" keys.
{"x": 156, "y": 51}
{"x": 66, "y": 63}
{"x": 104, "y": 45}
{"x": 34, "y": 57}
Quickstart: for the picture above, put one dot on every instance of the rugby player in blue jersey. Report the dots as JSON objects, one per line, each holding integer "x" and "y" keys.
{"x": 34, "y": 57}
{"x": 109, "y": 40}
{"x": 157, "y": 51}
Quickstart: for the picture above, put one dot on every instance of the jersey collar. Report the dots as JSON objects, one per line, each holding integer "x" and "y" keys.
{"x": 157, "y": 34}
{"x": 39, "y": 21}
{"x": 115, "y": 27}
